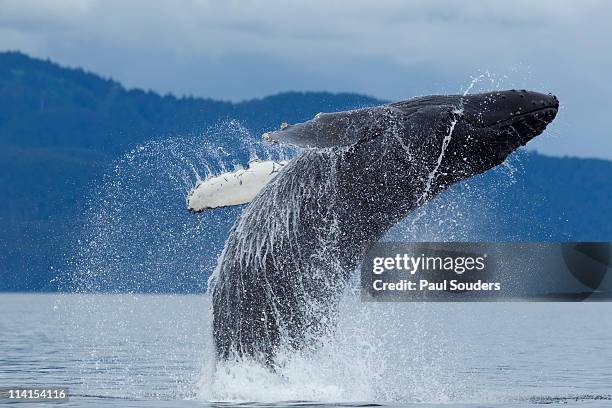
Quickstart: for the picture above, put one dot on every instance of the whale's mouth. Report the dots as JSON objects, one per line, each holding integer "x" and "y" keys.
{"x": 520, "y": 129}
{"x": 525, "y": 126}
{"x": 508, "y": 108}
{"x": 544, "y": 114}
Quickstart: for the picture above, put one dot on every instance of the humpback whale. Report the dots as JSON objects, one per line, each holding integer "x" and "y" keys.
{"x": 292, "y": 251}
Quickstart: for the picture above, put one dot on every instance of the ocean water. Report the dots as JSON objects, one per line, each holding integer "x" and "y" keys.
{"x": 144, "y": 350}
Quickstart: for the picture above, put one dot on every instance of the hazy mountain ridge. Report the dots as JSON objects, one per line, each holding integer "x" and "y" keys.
{"x": 60, "y": 128}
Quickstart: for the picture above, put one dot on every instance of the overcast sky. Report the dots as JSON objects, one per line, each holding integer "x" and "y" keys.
{"x": 235, "y": 50}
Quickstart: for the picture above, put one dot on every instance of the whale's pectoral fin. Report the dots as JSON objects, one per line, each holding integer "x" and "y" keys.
{"x": 337, "y": 129}
{"x": 232, "y": 188}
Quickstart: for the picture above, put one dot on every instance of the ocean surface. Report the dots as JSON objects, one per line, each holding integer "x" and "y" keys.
{"x": 144, "y": 350}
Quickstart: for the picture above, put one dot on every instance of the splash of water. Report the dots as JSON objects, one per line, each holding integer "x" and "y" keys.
{"x": 445, "y": 142}
{"x": 456, "y": 114}
{"x": 139, "y": 236}
{"x": 367, "y": 358}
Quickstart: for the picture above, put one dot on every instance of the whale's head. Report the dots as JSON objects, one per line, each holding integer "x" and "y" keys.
{"x": 474, "y": 133}
{"x": 499, "y": 122}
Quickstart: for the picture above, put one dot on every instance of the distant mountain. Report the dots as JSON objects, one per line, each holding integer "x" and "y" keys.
{"x": 61, "y": 128}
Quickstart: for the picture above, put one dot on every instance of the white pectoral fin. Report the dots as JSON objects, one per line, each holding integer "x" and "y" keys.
{"x": 232, "y": 188}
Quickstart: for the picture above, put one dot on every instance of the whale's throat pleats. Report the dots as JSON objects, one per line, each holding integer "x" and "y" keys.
{"x": 283, "y": 266}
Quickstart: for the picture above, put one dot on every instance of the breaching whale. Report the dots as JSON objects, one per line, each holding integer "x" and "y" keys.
{"x": 290, "y": 254}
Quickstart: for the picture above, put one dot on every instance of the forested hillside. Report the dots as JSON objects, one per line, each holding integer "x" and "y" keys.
{"x": 61, "y": 128}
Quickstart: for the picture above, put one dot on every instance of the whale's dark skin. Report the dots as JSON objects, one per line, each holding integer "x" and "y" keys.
{"x": 292, "y": 251}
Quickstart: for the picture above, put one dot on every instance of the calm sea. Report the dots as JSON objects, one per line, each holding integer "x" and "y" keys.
{"x": 142, "y": 350}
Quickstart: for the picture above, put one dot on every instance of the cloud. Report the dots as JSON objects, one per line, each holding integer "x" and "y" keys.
{"x": 389, "y": 49}
{"x": 391, "y": 29}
